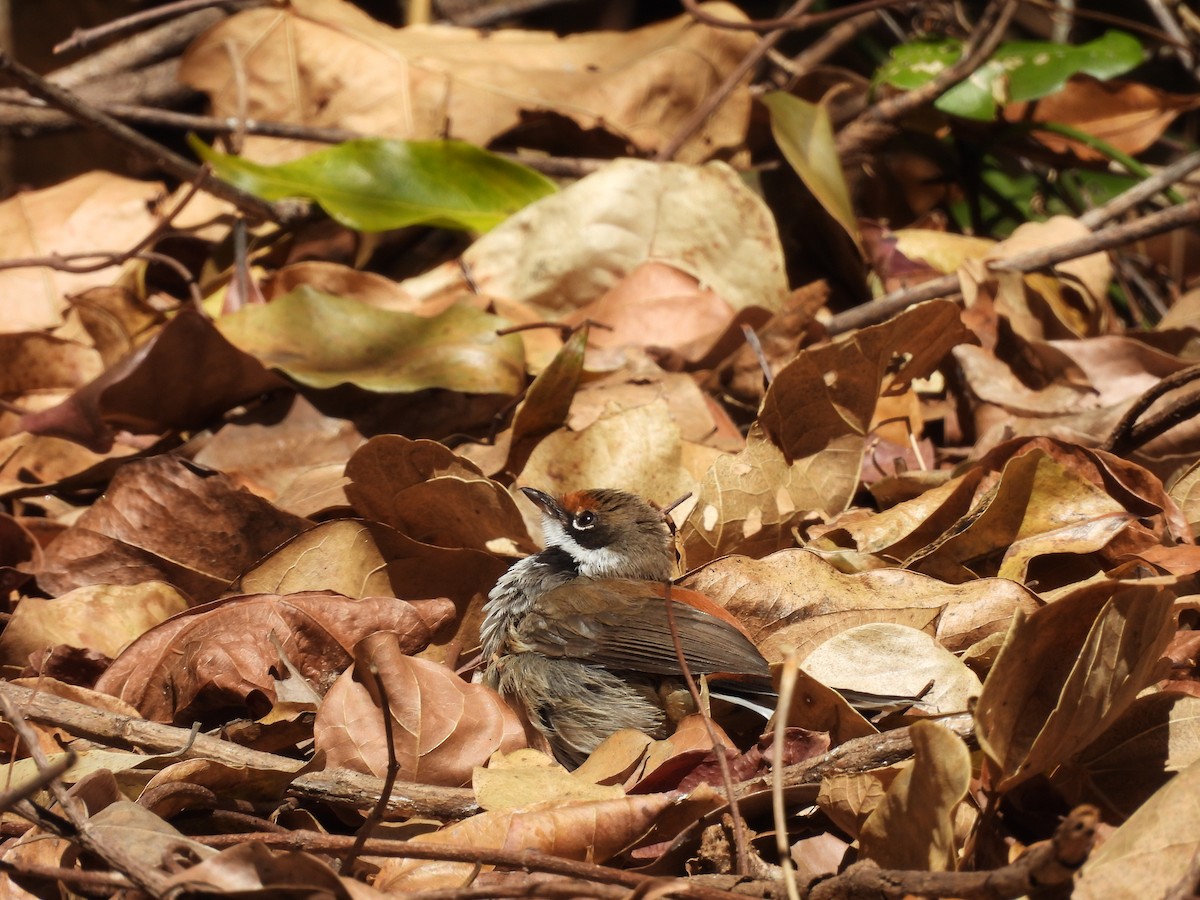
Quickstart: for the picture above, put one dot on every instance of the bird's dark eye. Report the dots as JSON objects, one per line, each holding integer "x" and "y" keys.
{"x": 585, "y": 519}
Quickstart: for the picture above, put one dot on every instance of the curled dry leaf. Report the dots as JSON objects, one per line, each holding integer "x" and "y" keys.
{"x": 592, "y": 830}
{"x": 181, "y": 378}
{"x": 804, "y": 453}
{"x": 1096, "y": 648}
{"x": 228, "y": 782}
{"x": 162, "y": 520}
{"x": 913, "y": 826}
{"x": 427, "y": 492}
{"x": 1125, "y": 114}
{"x": 363, "y": 559}
{"x": 40, "y": 369}
{"x": 229, "y": 653}
{"x": 34, "y": 464}
{"x": 443, "y": 727}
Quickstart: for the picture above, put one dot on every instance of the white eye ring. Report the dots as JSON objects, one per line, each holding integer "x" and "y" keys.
{"x": 584, "y": 520}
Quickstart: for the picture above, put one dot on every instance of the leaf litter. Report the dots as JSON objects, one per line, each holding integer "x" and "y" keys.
{"x": 246, "y": 542}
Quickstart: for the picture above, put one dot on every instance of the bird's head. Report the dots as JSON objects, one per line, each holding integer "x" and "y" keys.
{"x": 608, "y": 533}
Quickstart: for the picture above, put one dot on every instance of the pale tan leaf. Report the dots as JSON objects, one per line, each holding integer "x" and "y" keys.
{"x": 913, "y": 827}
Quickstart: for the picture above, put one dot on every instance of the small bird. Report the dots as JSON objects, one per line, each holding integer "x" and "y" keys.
{"x": 579, "y": 636}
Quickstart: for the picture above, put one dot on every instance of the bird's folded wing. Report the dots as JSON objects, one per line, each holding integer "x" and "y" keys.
{"x": 624, "y": 626}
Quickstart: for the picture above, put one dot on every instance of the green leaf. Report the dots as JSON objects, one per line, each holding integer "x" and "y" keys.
{"x": 805, "y": 135}
{"x": 1018, "y": 71}
{"x": 376, "y": 184}
{"x": 324, "y": 341}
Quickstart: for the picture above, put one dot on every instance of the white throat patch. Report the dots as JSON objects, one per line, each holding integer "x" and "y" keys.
{"x": 597, "y": 563}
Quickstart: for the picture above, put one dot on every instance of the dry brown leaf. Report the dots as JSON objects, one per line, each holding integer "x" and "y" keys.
{"x": 326, "y": 63}
{"x": 1128, "y": 115}
{"x": 65, "y": 219}
{"x": 750, "y": 502}
{"x": 41, "y": 370}
{"x": 804, "y": 453}
{"x": 522, "y": 777}
{"x": 848, "y": 799}
{"x": 114, "y": 320}
{"x": 655, "y": 305}
{"x": 1150, "y": 853}
{"x": 364, "y": 559}
{"x": 181, "y": 378}
{"x": 286, "y": 451}
{"x": 913, "y": 826}
{"x": 569, "y": 249}
{"x": 886, "y": 658}
{"x": 1035, "y": 495}
{"x": 593, "y": 830}
{"x": 162, "y": 520}
{"x": 427, "y": 492}
{"x": 637, "y": 449}
{"x": 1154, "y": 740}
{"x": 443, "y": 727}
{"x": 1096, "y": 649}
{"x": 100, "y": 617}
{"x": 639, "y": 382}
{"x": 34, "y": 464}
{"x": 18, "y": 548}
{"x": 794, "y": 598}
{"x": 246, "y": 783}
{"x": 227, "y": 653}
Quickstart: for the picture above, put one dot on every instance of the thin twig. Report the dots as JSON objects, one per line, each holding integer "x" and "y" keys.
{"x": 168, "y": 160}
{"x": 1032, "y": 260}
{"x": 1129, "y": 434}
{"x": 740, "y": 841}
{"x": 81, "y": 37}
{"x": 119, "y": 857}
{"x": 389, "y": 779}
{"x": 793, "y": 20}
{"x": 696, "y": 120}
{"x": 787, "y": 688}
{"x": 829, "y": 43}
{"x": 1142, "y": 191}
{"x": 874, "y": 125}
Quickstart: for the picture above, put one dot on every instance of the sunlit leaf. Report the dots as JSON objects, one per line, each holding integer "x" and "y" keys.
{"x": 1023, "y": 70}
{"x": 805, "y": 135}
{"x": 375, "y": 184}
{"x": 323, "y": 341}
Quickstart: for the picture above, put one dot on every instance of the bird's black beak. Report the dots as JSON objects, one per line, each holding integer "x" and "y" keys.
{"x": 547, "y": 504}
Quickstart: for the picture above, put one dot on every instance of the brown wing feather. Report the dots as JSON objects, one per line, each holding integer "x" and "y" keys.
{"x": 623, "y": 626}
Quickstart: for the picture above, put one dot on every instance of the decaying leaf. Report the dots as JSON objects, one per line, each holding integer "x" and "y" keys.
{"x": 442, "y": 726}
{"x": 230, "y": 653}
